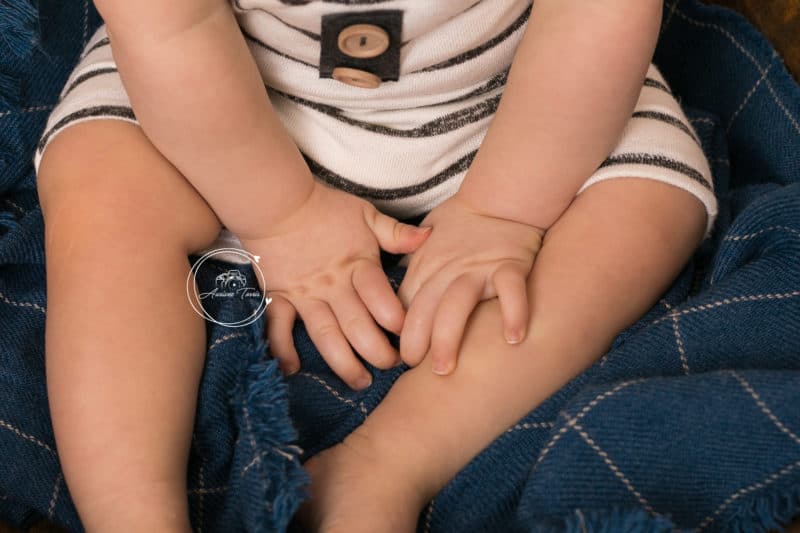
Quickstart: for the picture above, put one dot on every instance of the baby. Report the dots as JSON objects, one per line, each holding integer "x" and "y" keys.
{"x": 553, "y": 219}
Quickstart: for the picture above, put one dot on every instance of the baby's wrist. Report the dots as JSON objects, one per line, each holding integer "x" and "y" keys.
{"x": 270, "y": 225}
{"x": 480, "y": 206}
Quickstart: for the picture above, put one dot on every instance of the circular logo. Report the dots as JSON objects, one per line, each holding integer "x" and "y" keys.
{"x": 227, "y": 292}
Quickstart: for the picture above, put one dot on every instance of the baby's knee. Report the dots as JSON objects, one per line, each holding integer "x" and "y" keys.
{"x": 97, "y": 216}
{"x": 119, "y": 189}
{"x": 78, "y": 178}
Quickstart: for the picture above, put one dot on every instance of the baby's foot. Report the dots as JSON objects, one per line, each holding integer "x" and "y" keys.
{"x": 354, "y": 489}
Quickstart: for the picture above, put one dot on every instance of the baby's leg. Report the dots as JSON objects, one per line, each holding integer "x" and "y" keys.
{"x": 124, "y": 349}
{"x": 602, "y": 265}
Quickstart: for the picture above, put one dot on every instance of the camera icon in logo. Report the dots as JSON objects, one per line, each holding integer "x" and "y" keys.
{"x": 231, "y": 280}
{"x": 231, "y": 292}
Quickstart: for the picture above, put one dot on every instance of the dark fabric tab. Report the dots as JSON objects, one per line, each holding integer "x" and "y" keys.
{"x": 386, "y": 65}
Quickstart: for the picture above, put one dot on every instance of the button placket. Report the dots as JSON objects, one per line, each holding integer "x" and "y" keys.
{"x": 361, "y": 48}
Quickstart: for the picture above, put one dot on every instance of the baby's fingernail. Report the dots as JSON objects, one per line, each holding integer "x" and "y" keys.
{"x": 513, "y": 337}
{"x": 363, "y": 382}
{"x": 440, "y": 367}
{"x": 425, "y": 229}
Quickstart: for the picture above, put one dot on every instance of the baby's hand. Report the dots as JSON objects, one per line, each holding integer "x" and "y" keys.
{"x": 469, "y": 257}
{"x": 323, "y": 263}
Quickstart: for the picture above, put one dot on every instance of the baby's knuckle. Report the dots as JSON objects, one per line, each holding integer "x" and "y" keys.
{"x": 355, "y": 326}
{"x": 326, "y": 330}
{"x": 326, "y": 279}
{"x": 298, "y": 289}
{"x": 415, "y": 321}
{"x": 355, "y": 262}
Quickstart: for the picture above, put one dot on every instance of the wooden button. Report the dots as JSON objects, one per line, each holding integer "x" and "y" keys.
{"x": 358, "y": 78}
{"x": 363, "y": 40}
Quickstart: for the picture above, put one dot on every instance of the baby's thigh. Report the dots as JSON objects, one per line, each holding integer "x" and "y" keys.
{"x": 105, "y": 180}
{"x": 614, "y": 252}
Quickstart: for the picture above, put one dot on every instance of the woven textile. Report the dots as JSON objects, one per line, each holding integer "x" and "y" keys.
{"x": 691, "y": 421}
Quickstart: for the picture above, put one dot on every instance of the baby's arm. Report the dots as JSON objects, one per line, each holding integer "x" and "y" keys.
{"x": 573, "y": 85}
{"x": 198, "y": 95}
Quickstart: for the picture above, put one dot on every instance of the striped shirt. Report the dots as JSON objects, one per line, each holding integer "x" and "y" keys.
{"x": 406, "y": 144}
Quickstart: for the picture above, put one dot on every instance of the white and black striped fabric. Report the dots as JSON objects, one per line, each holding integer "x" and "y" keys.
{"x": 406, "y": 145}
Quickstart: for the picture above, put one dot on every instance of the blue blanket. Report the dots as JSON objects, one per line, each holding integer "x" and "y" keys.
{"x": 692, "y": 420}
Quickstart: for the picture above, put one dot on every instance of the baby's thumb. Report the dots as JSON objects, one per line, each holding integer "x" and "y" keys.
{"x": 396, "y": 237}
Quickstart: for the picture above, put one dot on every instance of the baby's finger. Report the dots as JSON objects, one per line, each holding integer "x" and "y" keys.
{"x": 280, "y": 320}
{"x": 331, "y": 343}
{"x": 362, "y": 332}
{"x": 417, "y": 327}
{"x": 454, "y": 310}
{"x": 396, "y": 237}
{"x": 374, "y": 289}
{"x": 511, "y": 286}
{"x": 409, "y": 286}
